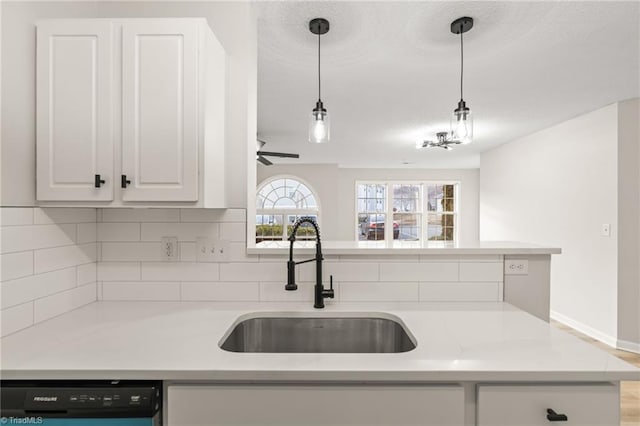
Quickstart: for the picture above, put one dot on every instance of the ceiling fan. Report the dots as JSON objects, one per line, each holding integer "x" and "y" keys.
{"x": 260, "y": 154}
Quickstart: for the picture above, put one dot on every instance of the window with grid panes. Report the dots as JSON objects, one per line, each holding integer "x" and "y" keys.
{"x": 441, "y": 212}
{"x": 280, "y": 202}
{"x": 407, "y": 211}
{"x": 412, "y": 211}
{"x": 371, "y": 211}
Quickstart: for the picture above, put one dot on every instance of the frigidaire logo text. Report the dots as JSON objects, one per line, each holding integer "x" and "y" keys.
{"x": 45, "y": 398}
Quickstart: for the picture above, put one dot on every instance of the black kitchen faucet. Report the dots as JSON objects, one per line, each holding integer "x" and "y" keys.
{"x": 320, "y": 292}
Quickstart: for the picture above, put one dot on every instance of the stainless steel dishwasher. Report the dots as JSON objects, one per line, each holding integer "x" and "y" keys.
{"x": 81, "y": 403}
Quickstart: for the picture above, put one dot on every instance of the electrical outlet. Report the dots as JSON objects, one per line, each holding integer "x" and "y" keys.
{"x": 516, "y": 267}
{"x": 169, "y": 249}
{"x": 210, "y": 250}
{"x": 606, "y": 230}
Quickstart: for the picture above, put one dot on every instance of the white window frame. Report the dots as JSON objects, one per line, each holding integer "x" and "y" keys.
{"x": 286, "y": 212}
{"x": 424, "y": 212}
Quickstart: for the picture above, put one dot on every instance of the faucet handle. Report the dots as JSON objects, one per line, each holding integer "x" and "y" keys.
{"x": 331, "y": 282}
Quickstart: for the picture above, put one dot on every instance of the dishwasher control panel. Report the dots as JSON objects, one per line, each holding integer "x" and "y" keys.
{"x": 77, "y": 401}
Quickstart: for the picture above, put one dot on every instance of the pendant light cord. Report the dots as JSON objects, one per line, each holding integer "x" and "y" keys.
{"x": 319, "y": 79}
{"x": 461, "y": 61}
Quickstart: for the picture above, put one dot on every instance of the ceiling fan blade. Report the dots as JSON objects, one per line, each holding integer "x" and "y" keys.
{"x": 278, "y": 154}
{"x": 264, "y": 160}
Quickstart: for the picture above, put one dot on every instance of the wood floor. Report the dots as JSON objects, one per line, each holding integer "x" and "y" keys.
{"x": 629, "y": 391}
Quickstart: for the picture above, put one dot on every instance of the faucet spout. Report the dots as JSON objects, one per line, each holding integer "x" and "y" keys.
{"x": 319, "y": 290}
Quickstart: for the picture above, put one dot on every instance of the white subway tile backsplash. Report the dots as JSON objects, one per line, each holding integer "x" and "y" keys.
{"x": 16, "y": 318}
{"x": 64, "y": 257}
{"x": 459, "y": 292}
{"x": 481, "y": 271}
{"x": 87, "y": 233}
{"x": 275, "y": 292}
{"x": 49, "y": 215}
{"x": 140, "y": 215}
{"x": 187, "y": 252}
{"x": 378, "y": 259}
{"x": 379, "y": 291}
{"x": 236, "y": 232}
{"x": 341, "y": 271}
{"x": 12, "y": 216}
{"x": 184, "y": 231}
{"x": 130, "y": 252}
{"x": 221, "y": 291}
{"x": 213, "y": 215}
{"x": 21, "y": 290}
{"x": 86, "y": 273}
{"x": 21, "y": 238}
{"x": 60, "y": 303}
{"x": 108, "y": 231}
{"x": 253, "y": 271}
{"x": 48, "y": 265}
{"x": 179, "y": 271}
{"x": 431, "y": 271}
{"x": 16, "y": 292}
{"x": 16, "y": 265}
{"x": 118, "y": 271}
{"x": 134, "y": 290}
{"x": 238, "y": 253}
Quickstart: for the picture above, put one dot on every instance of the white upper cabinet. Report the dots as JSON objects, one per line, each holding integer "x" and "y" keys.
{"x": 160, "y": 106}
{"x": 75, "y": 100}
{"x": 141, "y": 102}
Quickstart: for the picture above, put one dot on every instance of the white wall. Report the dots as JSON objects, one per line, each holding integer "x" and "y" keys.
{"x": 629, "y": 223}
{"x": 336, "y": 189}
{"x": 233, "y": 24}
{"x": 557, "y": 187}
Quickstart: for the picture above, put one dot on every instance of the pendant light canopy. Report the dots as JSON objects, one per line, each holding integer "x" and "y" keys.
{"x": 462, "y": 120}
{"x": 319, "y": 130}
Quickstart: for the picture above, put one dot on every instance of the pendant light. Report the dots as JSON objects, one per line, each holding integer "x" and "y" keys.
{"x": 319, "y": 120}
{"x": 462, "y": 120}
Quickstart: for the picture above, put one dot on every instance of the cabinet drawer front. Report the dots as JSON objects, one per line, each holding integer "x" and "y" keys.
{"x": 74, "y": 104}
{"x": 160, "y": 111}
{"x": 584, "y": 405}
{"x": 324, "y": 405}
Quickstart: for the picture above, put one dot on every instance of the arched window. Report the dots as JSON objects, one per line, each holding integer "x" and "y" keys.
{"x": 282, "y": 200}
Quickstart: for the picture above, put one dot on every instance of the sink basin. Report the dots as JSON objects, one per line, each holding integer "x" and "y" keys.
{"x": 318, "y": 334}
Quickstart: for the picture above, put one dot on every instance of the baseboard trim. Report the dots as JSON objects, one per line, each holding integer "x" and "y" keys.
{"x": 585, "y": 329}
{"x": 625, "y": 345}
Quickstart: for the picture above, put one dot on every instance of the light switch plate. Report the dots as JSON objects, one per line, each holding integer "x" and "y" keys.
{"x": 606, "y": 230}
{"x": 210, "y": 250}
{"x": 516, "y": 267}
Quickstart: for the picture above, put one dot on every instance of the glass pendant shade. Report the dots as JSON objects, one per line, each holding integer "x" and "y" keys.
{"x": 462, "y": 124}
{"x": 319, "y": 125}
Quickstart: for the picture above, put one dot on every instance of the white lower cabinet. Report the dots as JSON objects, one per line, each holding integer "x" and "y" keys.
{"x": 527, "y": 405}
{"x": 326, "y": 405}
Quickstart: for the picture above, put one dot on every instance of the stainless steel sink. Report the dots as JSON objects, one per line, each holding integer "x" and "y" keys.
{"x": 297, "y": 334}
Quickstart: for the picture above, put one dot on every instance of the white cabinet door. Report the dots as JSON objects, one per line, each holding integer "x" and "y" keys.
{"x": 527, "y": 405}
{"x": 74, "y": 110}
{"x": 160, "y": 110}
{"x": 321, "y": 405}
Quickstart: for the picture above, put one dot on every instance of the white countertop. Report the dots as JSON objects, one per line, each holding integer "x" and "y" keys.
{"x": 405, "y": 247}
{"x": 487, "y": 341}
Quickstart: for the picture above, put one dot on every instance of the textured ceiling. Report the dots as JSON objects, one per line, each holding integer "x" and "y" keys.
{"x": 390, "y": 74}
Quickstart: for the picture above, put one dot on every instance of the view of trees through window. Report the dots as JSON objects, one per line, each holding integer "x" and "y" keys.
{"x": 412, "y": 211}
{"x": 279, "y": 203}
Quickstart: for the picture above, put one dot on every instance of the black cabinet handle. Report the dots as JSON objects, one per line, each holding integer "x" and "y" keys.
{"x": 124, "y": 181}
{"x": 552, "y": 416}
{"x": 98, "y": 182}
